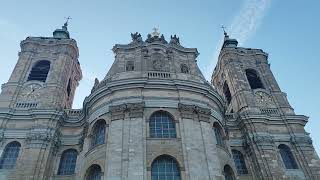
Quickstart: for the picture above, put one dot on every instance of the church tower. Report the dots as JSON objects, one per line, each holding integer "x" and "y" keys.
{"x": 260, "y": 121}
{"x": 33, "y": 103}
{"x": 46, "y": 74}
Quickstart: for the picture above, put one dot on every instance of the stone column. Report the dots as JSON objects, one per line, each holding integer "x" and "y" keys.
{"x": 36, "y": 156}
{"x": 137, "y": 148}
{"x": 209, "y": 143}
{"x": 126, "y": 143}
{"x": 193, "y": 144}
{"x": 113, "y": 168}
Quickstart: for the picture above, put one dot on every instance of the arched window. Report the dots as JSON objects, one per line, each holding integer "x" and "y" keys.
{"x": 94, "y": 172}
{"x": 287, "y": 157}
{"x": 69, "y": 87}
{"x": 68, "y": 162}
{"x": 165, "y": 167}
{"x": 130, "y": 66}
{"x": 162, "y": 125}
{"x": 39, "y": 71}
{"x": 228, "y": 173}
{"x": 218, "y": 134}
{"x": 239, "y": 162}
{"x": 226, "y": 92}
{"x": 184, "y": 68}
{"x": 98, "y": 133}
{"x": 10, "y": 155}
{"x": 253, "y": 79}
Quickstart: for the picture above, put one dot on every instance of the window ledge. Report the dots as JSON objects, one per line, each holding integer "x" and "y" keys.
{"x": 166, "y": 139}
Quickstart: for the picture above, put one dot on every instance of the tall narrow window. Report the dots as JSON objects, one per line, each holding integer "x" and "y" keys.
{"x": 98, "y": 133}
{"x": 10, "y": 155}
{"x": 287, "y": 157}
{"x": 162, "y": 125}
{"x": 69, "y": 87}
{"x": 164, "y": 168}
{"x": 226, "y": 92}
{"x": 130, "y": 66}
{"x": 228, "y": 173}
{"x": 94, "y": 172}
{"x": 218, "y": 134}
{"x": 39, "y": 71}
{"x": 239, "y": 162}
{"x": 68, "y": 162}
{"x": 253, "y": 79}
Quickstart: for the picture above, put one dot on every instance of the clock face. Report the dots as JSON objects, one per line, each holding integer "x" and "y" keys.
{"x": 31, "y": 91}
{"x": 264, "y": 99}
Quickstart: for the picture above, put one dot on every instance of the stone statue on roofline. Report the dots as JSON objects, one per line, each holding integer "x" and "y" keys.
{"x": 175, "y": 40}
{"x": 136, "y": 37}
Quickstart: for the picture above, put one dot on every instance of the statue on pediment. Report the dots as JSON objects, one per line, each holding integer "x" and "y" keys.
{"x": 175, "y": 40}
{"x": 136, "y": 37}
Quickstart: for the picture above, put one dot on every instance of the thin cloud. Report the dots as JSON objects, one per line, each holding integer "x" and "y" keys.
{"x": 244, "y": 25}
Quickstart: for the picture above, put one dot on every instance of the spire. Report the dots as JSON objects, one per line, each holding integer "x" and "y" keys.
{"x": 227, "y": 42}
{"x": 63, "y": 32}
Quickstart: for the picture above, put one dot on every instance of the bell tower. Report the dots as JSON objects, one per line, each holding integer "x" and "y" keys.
{"x": 46, "y": 74}
{"x": 244, "y": 78}
{"x": 259, "y": 119}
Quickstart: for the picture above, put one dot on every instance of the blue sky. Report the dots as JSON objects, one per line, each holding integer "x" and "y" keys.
{"x": 287, "y": 30}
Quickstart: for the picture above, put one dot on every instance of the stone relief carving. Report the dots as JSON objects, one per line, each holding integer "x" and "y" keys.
{"x": 189, "y": 110}
{"x": 263, "y": 139}
{"x": 158, "y": 61}
{"x": 134, "y": 109}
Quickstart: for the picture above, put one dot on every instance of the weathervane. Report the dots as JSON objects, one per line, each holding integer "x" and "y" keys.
{"x": 224, "y": 30}
{"x": 67, "y": 18}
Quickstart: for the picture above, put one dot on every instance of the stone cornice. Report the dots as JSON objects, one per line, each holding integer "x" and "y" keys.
{"x": 134, "y": 109}
{"x": 188, "y": 111}
{"x": 145, "y": 83}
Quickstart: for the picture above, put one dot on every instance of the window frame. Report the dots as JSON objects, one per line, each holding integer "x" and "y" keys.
{"x": 219, "y": 134}
{"x": 94, "y": 141}
{"x": 36, "y": 68}
{"x": 170, "y": 123}
{"x": 256, "y": 81}
{"x": 243, "y": 170}
{"x": 289, "y": 158}
{"x": 6, "y": 152}
{"x": 62, "y": 168}
{"x": 160, "y": 164}
{"x": 89, "y": 172}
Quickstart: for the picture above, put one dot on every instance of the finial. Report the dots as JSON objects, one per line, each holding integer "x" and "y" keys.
{"x": 66, "y": 23}
{"x": 224, "y": 30}
{"x": 155, "y": 32}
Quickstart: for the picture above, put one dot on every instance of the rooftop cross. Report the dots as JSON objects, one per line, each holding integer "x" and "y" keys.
{"x": 155, "y": 32}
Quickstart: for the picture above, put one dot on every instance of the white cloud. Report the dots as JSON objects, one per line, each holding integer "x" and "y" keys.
{"x": 243, "y": 26}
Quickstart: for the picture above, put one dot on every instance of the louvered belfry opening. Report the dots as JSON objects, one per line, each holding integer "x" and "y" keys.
{"x": 39, "y": 71}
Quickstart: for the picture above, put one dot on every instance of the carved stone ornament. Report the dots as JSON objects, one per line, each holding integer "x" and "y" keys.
{"x": 187, "y": 108}
{"x": 158, "y": 61}
{"x": 263, "y": 139}
{"x": 136, "y": 37}
{"x": 175, "y": 40}
{"x": 118, "y": 108}
{"x": 135, "y": 106}
{"x": 301, "y": 140}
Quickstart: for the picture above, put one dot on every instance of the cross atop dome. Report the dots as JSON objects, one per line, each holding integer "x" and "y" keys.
{"x": 155, "y": 32}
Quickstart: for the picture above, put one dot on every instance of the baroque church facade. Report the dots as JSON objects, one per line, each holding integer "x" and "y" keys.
{"x": 153, "y": 117}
